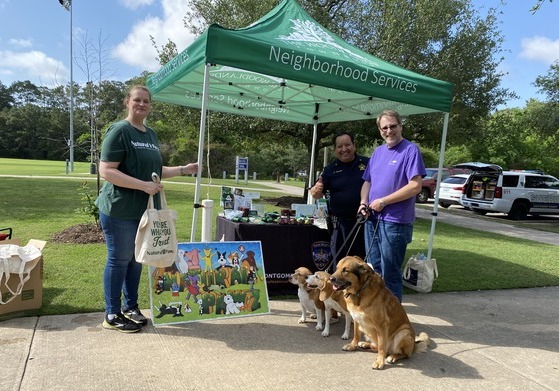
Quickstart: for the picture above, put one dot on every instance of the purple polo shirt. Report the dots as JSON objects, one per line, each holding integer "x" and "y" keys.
{"x": 390, "y": 169}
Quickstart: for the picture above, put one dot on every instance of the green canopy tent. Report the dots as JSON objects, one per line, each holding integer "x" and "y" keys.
{"x": 288, "y": 67}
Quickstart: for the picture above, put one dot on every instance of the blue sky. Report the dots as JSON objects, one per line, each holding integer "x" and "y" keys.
{"x": 34, "y": 39}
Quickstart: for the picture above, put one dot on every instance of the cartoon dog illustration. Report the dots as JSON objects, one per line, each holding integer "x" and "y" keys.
{"x": 249, "y": 261}
{"x": 173, "y": 308}
{"x": 230, "y": 306}
{"x": 222, "y": 259}
{"x": 234, "y": 260}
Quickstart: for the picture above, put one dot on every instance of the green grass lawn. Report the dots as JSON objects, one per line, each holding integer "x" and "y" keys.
{"x": 39, "y": 207}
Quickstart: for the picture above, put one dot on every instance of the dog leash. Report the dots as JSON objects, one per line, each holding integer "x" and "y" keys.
{"x": 360, "y": 220}
{"x": 374, "y": 234}
{"x": 358, "y": 224}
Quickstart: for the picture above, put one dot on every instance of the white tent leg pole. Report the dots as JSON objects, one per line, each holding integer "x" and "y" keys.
{"x": 207, "y": 220}
{"x": 201, "y": 137}
{"x": 311, "y": 177}
{"x": 436, "y": 204}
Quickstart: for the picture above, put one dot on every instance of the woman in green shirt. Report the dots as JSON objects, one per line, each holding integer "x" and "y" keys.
{"x": 129, "y": 155}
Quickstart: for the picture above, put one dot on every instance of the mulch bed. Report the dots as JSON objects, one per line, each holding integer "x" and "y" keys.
{"x": 80, "y": 234}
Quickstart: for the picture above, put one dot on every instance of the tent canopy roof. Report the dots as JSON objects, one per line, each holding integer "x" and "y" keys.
{"x": 288, "y": 67}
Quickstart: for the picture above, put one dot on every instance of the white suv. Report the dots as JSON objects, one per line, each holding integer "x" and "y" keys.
{"x": 516, "y": 193}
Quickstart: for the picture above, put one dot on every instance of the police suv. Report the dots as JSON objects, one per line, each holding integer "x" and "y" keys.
{"x": 516, "y": 193}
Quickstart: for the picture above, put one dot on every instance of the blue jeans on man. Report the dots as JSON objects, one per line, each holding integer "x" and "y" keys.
{"x": 386, "y": 244}
{"x": 122, "y": 273}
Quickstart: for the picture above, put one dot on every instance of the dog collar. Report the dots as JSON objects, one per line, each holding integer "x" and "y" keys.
{"x": 358, "y": 293}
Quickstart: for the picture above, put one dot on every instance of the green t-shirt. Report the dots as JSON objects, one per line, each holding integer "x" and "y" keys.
{"x": 139, "y": 156}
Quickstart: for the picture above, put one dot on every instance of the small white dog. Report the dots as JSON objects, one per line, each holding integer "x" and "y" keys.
{"x": 308, "y": 298}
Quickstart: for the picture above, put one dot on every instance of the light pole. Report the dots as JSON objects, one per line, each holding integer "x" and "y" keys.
{"x": 67, "y": 4}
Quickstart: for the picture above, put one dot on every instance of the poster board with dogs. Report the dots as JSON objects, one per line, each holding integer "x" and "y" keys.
{"x": 210, "y": 280}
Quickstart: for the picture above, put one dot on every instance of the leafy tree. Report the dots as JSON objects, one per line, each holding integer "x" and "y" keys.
{"x": 444, "y": 39}
{"x": 6, "y": 98}
{"x": 25, "y": 92}
{"x": 538, "y": 5}
{"x": 522, "y": 138}
{"x": 110, "y": 98}
{"x": 542, "y": 121}
{"x": 166, "y": 52}
{"x": 505, "y": 128}
{"x": 457, "y": 154}
{"x": 549, "y": 84}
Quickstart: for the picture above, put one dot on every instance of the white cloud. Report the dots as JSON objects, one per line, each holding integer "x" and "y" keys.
{"x": 135, "y": 4}
{"x": 540, "y": 49}
{"x": 32, "y": 65}
{"x": 22, "y": 43}
{"x": 137, "y": 49}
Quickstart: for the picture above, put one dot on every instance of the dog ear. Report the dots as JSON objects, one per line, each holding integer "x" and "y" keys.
{"x": 364, "y": 270}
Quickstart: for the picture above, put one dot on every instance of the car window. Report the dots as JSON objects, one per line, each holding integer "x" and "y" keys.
{"x": 510, "y": 180}
{"x": 430, "y": 173}
{"x": 460, "y": 171}
{"x": 552, "y": 183}
{"x": 455, "y": 180}
{"x": 533, "y": 182}
{"x": 541, "y": 182}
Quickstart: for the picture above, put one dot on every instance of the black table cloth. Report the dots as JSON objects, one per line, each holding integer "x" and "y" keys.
{"x": 284, "y": 248}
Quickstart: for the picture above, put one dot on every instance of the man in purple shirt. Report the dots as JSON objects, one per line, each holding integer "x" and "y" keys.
{"x": 392, "y": 179}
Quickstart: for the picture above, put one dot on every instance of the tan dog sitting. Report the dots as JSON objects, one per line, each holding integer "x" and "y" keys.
{"x": 376, "y": 312}
{"x": 333, "y": 301}
{"x": 308, "y": 297}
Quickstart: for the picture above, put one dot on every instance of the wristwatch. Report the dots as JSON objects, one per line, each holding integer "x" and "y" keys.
{"x": 382, "y": 203}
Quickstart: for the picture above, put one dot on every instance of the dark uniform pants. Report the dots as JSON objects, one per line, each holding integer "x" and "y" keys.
{"x": 342, "y": 243}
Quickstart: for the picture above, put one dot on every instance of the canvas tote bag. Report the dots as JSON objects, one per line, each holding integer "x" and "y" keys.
{"x": 420, "y": 273}
{"x": 156, "y": 239}
{"x": 17, "y": 261}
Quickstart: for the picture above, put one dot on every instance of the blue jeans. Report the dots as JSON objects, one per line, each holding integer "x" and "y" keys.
{"x": 387, "y": 250}
{"x": 122, "y": 273}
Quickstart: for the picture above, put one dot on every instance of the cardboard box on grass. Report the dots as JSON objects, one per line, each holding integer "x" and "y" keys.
{"x": 31, "y": 298}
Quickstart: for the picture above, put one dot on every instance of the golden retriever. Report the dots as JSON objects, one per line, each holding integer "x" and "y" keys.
{"x": 376, "y": 312}
{"x": 333, "y": 301}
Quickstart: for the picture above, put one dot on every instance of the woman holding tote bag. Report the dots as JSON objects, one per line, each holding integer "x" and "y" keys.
{"x": 129, "y": 155}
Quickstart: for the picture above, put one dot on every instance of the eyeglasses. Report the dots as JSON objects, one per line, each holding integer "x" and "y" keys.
{"x": 391, "y": 127}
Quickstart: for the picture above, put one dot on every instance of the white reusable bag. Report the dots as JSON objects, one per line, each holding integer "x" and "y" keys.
{"x": 18, "y": 261}
{"x": 420, "y": 273}
{"x": 156, "y": 238}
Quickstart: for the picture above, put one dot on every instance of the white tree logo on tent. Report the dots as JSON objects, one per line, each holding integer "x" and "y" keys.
{"x": 311, "y": 34}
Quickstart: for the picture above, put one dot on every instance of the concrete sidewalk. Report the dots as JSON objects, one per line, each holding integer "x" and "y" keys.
{"x": 491, "y": 340}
